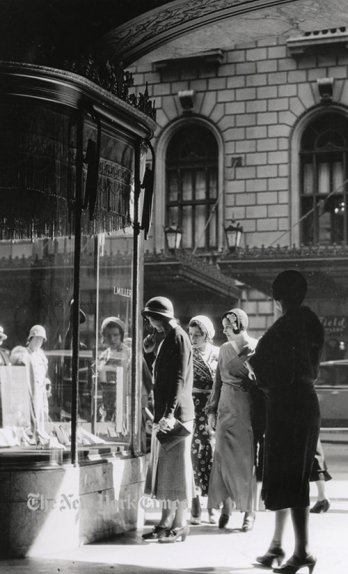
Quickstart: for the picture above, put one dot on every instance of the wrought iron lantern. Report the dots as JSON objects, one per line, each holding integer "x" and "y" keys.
{"x": 233, "y": 235}
{"x": 173, "y": 235}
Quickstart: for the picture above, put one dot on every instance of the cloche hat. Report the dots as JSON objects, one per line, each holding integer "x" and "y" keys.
{"x": 159, "y": 306}
{"x": 37, "y": 331}
{"x": 205, "y": 324}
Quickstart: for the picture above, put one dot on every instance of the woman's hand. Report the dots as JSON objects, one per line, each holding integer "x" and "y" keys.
{"x": 166, "y": 424}
{"x": 211, "y": 422}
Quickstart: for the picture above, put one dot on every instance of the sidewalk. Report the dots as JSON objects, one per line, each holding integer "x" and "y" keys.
{"x": 206, "y": 550}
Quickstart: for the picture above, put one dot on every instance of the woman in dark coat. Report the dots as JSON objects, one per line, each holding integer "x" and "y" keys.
{"x": 286, "y": 364}
{"x": 169, "y": 478}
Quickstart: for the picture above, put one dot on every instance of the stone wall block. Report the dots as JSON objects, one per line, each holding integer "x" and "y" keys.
{"x": 296, "y": 106}
{"x": 249, "y": 226}
{"x": 245, "y": 146}
{"x": 277, "y": 52}
{"x": 171, "y": 107}
{"x": 267, "y": 224}
{"x": 267, "y": 198}
{"x": 266, "y": 66}
{"x": 257, "y": 212}
{"x": 258, "y": 185}
{"x": 256, "y": 106}
{"x": 246, "y": 94}
{"x": 257, "y": 158}
{"x": 306, "y": 95}
{"x": 256, "y": 54}
{"x": 208, "y": 103}
{"x": 267, "y": 118}
{"x": 267, "y": 171}
{"x": 245, "y": 119}
{"x": 277, "y": 78}
{"x": 245, "y": 199}
{"x": 278, "y": 183}
{"x": 245, "y": 68}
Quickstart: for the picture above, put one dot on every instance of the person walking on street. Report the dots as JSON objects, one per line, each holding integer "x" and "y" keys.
{"x": 232, "y": 479}
{"x": 286, "y": 364}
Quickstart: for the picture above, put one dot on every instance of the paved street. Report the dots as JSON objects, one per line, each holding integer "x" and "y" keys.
{"x": 208, "y": 550}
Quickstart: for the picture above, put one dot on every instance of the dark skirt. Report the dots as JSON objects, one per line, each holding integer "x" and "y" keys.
{"x": 291, "y": 437}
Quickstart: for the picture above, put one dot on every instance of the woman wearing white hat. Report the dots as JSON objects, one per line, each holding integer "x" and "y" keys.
{"x": 35, "y": 359}
{"x": 112, "y": 332}
{"x": 232, "y": 479}
{"x": 205, "y": 360}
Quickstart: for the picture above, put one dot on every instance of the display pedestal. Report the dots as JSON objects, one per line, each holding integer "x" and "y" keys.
{"x": 50, "y": 509}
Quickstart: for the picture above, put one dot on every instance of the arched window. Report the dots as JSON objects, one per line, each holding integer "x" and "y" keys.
{"x": 192, "y": 186}
{"x": 324, "y": 186}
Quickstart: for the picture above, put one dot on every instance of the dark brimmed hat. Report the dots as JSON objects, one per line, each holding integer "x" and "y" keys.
{"x": 289, "y": 286}
{"x": 159, "y": 306}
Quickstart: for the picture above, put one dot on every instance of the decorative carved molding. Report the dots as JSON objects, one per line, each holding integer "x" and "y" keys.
{"x": 142, "y": 34}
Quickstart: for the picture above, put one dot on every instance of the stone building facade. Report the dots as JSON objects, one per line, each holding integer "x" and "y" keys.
{"x": 259, "y": 99}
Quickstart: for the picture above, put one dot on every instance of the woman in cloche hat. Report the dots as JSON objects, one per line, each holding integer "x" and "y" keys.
{"x": 169, "y": 477}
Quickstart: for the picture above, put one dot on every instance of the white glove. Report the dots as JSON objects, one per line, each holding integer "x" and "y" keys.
{"x": 212, "y": 422}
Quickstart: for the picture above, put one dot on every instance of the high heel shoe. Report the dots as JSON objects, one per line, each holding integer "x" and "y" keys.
{"x": 294, "y": 564}
{"x": 320, "y": 506}
{"x": 274, "y": 553}
{"x": 212, "y": 516}
{"x": 223, "y": 520}
{"x": 174, "y": 534}
{"x": 156, "y": 533}
{"x": 248, "y": 522}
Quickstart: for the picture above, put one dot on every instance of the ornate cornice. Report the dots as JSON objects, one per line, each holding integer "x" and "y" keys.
{"x": 153, "y": 28}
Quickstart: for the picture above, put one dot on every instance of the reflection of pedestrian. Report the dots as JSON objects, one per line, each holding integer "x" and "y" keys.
{"x": 205, "y": 358}
{"x": 232, "y": 479}
{"x": 286, "y": 364}
{"x": 35, "y": 359}
{"x": 169, "y": 477}
{"x": 112, "y": 331}
{"x": 320, "y": 476}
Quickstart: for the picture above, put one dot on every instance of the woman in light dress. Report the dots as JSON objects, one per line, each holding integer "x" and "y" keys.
{"x": 232, "y": 479}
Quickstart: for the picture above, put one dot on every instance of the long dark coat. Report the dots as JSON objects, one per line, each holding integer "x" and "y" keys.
{"x": 286, "y": 363}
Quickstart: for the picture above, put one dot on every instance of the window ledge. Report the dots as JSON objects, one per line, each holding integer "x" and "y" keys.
{"x": 211, "y": 57}
{"x": 311, "y": 41}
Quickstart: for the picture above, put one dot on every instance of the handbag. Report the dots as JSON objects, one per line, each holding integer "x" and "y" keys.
{"x": 173, "y": 436}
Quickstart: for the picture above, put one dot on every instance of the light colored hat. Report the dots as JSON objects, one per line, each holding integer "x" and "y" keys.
{"x": 37, "y": 331}
{"x": 3, "y": 337}
{"x": 238, "y": 318}
{"x": 159, "y": 306}
{"x": 113, "y": 321}
{"x": 205, "y": 325}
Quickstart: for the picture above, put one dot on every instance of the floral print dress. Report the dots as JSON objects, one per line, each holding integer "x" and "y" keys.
{"x": 202, "y": 441}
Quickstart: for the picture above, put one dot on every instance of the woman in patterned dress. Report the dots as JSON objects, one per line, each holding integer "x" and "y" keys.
{"x": 205, "y": 358}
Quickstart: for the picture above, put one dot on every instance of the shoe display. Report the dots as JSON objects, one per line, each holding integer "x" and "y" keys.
{"x": 175, "y": 535}
{"x": 156, "y": 533}
{"x": 320, "y": 506}
{"x": 275, "y": 553}
{"x": 223, "y": 520}
{"x": 248, "y": 521}
{"x": 294, "y": 564}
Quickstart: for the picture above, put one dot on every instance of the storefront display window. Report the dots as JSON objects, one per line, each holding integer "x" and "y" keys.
{"x": 69, "y": 377}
